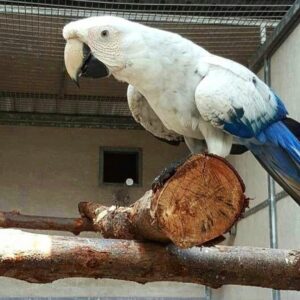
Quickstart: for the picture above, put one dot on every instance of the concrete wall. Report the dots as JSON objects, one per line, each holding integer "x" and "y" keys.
{"x": 58, "y": 166}
{"x": 47, "y": 171}
{"x": 254, "y": 231}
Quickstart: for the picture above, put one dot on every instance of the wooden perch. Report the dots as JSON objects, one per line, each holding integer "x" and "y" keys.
{"x": 199, "y": 203}
{"x": 42, "y": 258}
{"x": 15, "y": 219}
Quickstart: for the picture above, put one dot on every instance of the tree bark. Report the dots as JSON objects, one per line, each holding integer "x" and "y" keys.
{"x": 42, "y": 258}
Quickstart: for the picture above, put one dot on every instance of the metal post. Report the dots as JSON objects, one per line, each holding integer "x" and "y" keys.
{"x": 271, "y": 191}
{"x": 207, "y": 293}
{"x": 272, "y": 212}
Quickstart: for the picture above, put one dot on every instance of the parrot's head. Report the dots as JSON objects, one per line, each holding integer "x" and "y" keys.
{"x": 100, "y": 46}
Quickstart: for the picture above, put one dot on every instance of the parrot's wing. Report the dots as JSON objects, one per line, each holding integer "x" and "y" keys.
{"x": 144, "y": 114}
{"x": 234, "y": 99}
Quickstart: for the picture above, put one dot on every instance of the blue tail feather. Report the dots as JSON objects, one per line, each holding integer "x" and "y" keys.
{"x": 278, "y": 150}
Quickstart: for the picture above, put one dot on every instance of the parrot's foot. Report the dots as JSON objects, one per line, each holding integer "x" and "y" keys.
{"x": 166, "y": 174}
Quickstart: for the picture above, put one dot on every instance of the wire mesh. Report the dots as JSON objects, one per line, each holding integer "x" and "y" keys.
{"x": 32, "y": 72}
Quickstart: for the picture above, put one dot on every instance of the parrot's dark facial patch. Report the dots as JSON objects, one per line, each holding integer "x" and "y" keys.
{"x": 92, "y": 67}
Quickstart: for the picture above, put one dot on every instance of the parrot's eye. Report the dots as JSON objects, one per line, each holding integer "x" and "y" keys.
{"x": 104, "y": 33}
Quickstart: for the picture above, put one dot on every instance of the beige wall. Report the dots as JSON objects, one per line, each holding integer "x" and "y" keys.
{"x": 58, "y": 167}
{"x": 47, "y": 171}
{"x": 254, "y": 231}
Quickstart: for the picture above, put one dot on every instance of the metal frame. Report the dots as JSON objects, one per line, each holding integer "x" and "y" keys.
{"x": 271, "y": 182}
{"x": 279, "y": 196}
{"x": 281, "y": 32}
{"x": 208, "y": 293}
{"x": 138, "y": 16}
{"x": 271, "y": 188}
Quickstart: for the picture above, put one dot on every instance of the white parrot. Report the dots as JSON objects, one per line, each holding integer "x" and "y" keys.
{"x": 177, "y": 88}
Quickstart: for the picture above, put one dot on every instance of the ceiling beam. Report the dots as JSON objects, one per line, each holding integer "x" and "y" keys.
{"x": 69, "y": 121}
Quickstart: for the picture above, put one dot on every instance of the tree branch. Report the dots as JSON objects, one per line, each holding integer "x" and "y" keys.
{"x": 43, "y": 258}
{"x": 15, "y": 219}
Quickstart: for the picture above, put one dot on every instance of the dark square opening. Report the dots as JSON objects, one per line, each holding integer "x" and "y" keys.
{"x": 118, "y": 166}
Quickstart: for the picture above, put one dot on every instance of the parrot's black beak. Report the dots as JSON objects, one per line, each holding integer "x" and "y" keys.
{"x": 80, "y": 61}
{"x": 92, "y": 67}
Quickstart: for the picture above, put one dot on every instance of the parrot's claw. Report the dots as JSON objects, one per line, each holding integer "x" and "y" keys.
{"x": 160, "y": 180}
{"x": 166, "y": 174}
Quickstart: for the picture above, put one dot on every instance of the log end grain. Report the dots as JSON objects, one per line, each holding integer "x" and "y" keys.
{"x": 201, "y": 202}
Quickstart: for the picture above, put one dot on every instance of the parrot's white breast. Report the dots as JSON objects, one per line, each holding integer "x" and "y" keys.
{"x": 178, "y": 113}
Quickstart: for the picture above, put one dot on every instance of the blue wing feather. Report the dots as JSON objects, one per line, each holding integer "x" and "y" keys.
{"x": 240, "y": 126}
{"x": 279, "y": 154}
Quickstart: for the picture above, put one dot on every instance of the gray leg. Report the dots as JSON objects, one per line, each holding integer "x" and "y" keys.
{"x": 199, "y": 146}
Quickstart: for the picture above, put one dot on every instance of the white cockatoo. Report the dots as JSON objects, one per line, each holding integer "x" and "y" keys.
{"x": 177, "y": 88}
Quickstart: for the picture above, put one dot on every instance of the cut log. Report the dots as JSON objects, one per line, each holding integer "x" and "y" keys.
{"x": 41, "y": 258}
{"x": 198, "y": 204}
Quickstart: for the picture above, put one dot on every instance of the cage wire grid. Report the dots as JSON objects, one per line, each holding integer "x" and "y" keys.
{"x": 33, "y": 77}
